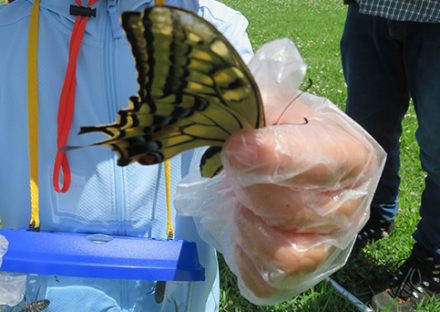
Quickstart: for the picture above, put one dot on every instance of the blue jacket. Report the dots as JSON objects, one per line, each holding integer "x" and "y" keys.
{"x": 103, "y": 197}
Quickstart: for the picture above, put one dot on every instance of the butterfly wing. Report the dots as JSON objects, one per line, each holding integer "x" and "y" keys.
{"x": 194, "y": 90}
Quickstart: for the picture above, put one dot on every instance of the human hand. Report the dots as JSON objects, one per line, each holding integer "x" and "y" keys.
{"x": 303, "y": 188}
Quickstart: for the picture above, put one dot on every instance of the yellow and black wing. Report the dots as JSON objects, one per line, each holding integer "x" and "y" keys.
{"x": 194, "y": 90}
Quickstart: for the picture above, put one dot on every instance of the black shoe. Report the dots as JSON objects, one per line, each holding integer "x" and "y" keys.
{"x": 417, "y": 280}
{"x": 375, "y": 229}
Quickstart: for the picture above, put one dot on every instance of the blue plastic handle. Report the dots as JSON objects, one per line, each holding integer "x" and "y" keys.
{"x": 101, "y": 256}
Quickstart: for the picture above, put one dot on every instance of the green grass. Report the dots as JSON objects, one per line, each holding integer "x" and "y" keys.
{"x": 316, "y": 27}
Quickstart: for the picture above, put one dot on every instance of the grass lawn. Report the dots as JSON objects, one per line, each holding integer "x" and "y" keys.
{"x": 316, "y": 27}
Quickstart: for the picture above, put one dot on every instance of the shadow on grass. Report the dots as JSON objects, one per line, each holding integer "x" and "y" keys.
{"x": 364, "y": 277}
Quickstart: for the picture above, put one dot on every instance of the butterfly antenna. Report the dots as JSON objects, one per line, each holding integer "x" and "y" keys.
{"x": 309, "y": 85}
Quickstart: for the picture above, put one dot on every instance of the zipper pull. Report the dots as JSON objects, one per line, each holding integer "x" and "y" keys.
{"x": 114, "y": 15}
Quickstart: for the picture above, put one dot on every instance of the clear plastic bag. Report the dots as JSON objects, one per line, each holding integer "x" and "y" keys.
{"x": 12, "y": 286}
{"x": 286, "y": 209}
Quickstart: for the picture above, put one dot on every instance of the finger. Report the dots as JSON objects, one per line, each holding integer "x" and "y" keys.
{"x": 288, "y": 251}
{"x": 250, "y": 275}
{"x": 316, "y": 154}
{"x": 305, "y": 211}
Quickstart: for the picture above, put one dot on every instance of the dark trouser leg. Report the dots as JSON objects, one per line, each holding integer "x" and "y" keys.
{"x": 377, "y": 94}
{"x": 421, "y": 57}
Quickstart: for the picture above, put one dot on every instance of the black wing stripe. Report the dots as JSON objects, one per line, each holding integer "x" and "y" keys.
{"x": 194, "y": 90}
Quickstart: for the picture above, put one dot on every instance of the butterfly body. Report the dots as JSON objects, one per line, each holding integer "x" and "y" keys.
{"x": 194, "y": 90}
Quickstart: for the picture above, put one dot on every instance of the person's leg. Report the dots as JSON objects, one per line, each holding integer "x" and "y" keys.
{"x": 419, "y": 278}
{"x": 423, "y": 67}
{"x": 377, "y": 98}
{"x": 377, "y": 95}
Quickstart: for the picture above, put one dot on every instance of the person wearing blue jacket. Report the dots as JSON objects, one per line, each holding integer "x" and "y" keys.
{"x": 129, "y": 201}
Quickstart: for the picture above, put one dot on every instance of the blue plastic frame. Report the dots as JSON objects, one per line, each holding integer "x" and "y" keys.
{"x": 101, "y": 256}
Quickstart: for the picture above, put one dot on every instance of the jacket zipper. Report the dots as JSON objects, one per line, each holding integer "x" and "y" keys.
{"x": 113, "y": 108}
{"x": 119, "y": 181}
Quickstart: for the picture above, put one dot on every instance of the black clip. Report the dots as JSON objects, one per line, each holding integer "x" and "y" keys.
{"x": 82, "y": 11}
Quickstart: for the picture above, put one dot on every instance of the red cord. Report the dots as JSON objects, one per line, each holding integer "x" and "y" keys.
{"x": 66, "y": 104}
